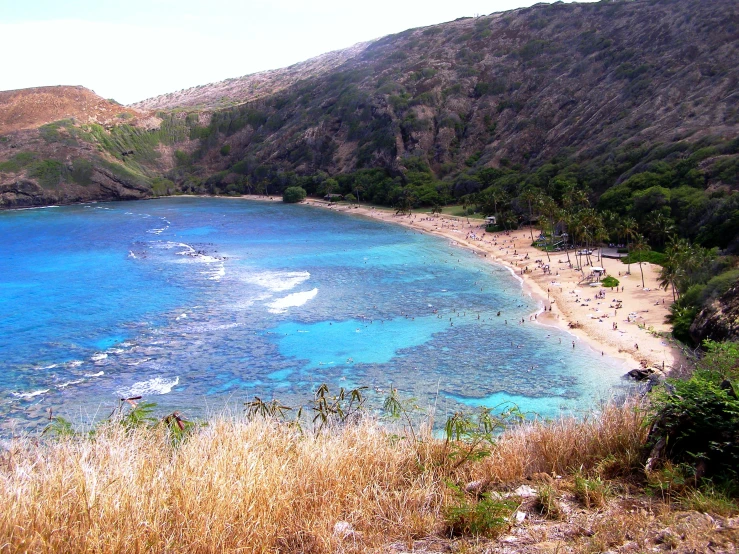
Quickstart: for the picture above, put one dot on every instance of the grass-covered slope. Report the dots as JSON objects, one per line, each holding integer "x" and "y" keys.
{"x": 262, "y": 485}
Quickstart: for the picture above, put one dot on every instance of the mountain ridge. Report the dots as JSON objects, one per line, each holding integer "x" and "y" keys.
{"x": 513, "y": 91}
{"x": 249, "y": 87}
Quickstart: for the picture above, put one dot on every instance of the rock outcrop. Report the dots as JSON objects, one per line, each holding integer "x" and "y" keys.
{"x": 720, "y": 320}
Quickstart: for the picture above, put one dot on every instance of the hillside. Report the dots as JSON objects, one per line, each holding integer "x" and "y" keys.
{"x": 33, "y": 107}
{"x": 250, "y": 87}
{"x": 593, "y": 93}
{"x": 519, "y": 87}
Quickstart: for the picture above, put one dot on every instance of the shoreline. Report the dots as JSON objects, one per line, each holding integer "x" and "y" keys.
{"x": 641, "y": 317}
{"x": 637, "y": 342}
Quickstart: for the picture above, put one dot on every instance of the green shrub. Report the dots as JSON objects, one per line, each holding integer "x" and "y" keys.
{"x": 488, "y": 517}
{"x": 718, "y": 285}
{"x": 696, "y": 422}
{"x": 651, "y": 257}
{"x": 592, "y": 492}
{"x": 225, "y": 150}
{"x": 682, "y": 319}
{"x": 547, "y": 503}
{"x": 293, "y": 195}
{"x": 82, "y": 171}
{"x": 49, "y": 173}
{"x": 17, "y": 162}
{"x": 610, "y": 282}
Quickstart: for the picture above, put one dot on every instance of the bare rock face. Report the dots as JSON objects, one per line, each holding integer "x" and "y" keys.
{"x": 104, "y": 185}
{"x": 720, "y": 320}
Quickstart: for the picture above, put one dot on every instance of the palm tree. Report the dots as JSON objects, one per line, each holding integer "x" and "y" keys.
{"x": 629, "y": 230}
{"x": 601, "y": 234}
{"x": 641, "y": 247}
{"x": 660, "y": 228}
{"x": 610, "y": 222}
{"x": 530, "y": 196}
{"x": 566, "y": 217}
{"x": 493, "y": 194}
{"x": 549, "y": 209}
{"x": 673, "y": 270}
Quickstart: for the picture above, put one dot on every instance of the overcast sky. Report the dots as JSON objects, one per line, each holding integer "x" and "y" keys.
{"x": 140, "y": 48}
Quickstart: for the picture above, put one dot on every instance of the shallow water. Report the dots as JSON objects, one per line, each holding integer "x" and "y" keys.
{"x": 198, "y": 304}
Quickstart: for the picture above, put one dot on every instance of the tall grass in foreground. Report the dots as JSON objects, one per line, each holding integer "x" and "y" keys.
{"x": 264, "y": 486}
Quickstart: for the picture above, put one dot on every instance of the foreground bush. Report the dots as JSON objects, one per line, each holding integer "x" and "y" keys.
{"x": 696, "y": 421}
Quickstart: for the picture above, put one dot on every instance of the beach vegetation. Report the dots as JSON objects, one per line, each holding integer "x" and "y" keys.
{"x": 610, "y": 282}
{"x": 292, "y": 195}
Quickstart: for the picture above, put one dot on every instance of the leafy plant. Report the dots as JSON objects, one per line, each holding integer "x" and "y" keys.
{"x": 470, "y": 437}
{"x": 397, "y": 408}
{"x": 58, "y": 427}
{"x": 488, "y": 517}
{"x": 610, "y": 282}
{"x": 696, "y": 422}
{"x": 178, "y": 428}
{"x": 547, "y": 503}
{"x": 132, "y": 414}
{"x": 272, "y": 409}
{"x": 336, "y": 409}
{"x": 591, "y": 492}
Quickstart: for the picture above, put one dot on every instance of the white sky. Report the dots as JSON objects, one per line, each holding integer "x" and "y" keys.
{"x": 140, "y": 48}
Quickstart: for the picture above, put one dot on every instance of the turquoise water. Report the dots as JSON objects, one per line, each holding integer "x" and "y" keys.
{"x": 200, "y": 304}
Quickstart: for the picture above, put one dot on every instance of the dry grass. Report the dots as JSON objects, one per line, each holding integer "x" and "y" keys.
{"x": 261, "y": 486}
{"x": 610, "y": 444}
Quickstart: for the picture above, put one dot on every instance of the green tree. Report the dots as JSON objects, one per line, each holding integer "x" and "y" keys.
{"x": 292, "y": 195}
{"x": 529, "y": 196}
{"x": 629, "y": 230}
{"x": 641, "y": 248}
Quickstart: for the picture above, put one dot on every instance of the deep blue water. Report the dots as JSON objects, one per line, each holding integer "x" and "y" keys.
{"x": 198, "y": 304}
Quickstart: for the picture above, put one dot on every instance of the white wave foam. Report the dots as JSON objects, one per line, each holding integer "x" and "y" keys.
{"x": 277, "y": 281}
{"x": 98, "y": 357}
{"x": 98, "y": 374}
{"x": 75, "y": 363}
{"x": 158, "y": 385}
{"x": 30, "y": 394}
{"x": 52, "y": 366}
{"x": 214, "y": 274}
{"x": 70, "y": 383}
{"x": 281, "y": 305}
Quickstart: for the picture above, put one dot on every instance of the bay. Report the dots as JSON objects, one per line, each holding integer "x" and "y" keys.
{"x": 199, "y": 304}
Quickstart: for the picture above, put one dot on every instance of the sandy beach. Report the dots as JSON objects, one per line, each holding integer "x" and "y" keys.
{"x": 627, "y": 324}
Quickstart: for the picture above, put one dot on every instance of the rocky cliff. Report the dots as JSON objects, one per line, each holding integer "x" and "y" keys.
{"x": 720, "y": 320}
